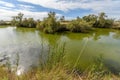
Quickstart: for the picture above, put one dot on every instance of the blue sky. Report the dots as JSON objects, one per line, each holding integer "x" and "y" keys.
{"x": 38, "y": 9}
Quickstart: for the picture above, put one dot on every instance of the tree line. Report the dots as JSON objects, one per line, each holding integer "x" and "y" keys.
{"x": 53, "y": 24}
{"x": 20, "y": 22}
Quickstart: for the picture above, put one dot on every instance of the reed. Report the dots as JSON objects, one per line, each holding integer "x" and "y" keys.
{"x": 55, "y": 68}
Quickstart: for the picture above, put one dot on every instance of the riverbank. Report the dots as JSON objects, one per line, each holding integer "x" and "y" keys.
{"x": 57, "y": 73}
{"x": 56, "y": 68}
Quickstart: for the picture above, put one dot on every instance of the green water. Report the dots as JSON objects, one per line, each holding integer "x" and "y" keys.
{"x": 86, "y": 47}
{"x": 83, "y": 46}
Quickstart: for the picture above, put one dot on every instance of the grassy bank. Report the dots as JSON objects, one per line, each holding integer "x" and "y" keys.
{"x": 58, "y": 72}
{"x": 55, "y": 68}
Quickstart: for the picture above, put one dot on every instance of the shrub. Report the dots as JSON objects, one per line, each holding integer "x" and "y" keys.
{"x": 79, "y": 26}
{"x": 28, "y": 23}
{"x": 49, "y": 24}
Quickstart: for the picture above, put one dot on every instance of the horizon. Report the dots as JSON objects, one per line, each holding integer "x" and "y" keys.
{"x": 68, "y": 8}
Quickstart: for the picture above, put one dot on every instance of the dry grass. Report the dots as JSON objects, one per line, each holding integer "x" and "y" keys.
{"x": 56, "y": 73}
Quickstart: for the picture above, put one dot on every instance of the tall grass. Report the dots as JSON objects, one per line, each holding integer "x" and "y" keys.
{"x": 55, "y": 68}
{"x": 56, "y": 56}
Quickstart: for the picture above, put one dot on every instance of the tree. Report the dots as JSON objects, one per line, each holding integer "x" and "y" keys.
{"x": 28, "y": 23}
{"x": 17, "y": 20}
{"x": 25, "y": 22}
{"x": 78, "y": 18}
{"x": 20, "y": 17}
{"x": 62, "y": 18}
{"x": 91, "y": 19}
{"x": 79, "y": 26}
{"x": 103, "y": 21}
{"x": 50, "y": 23}
{"x": 31, "y": 22}
{"x": 20, "y": 22}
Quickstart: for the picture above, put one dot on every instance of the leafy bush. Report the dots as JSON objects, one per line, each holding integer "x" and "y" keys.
{"x": 103, "y": 21}
{"x": 20, "y": 22}
{"x": 100, "y": 21}
{"x": 17, "y": 20}
{"x": 28, "y": 23}
{"x": 49, "y": 24}
{"x": 79, "y": 26}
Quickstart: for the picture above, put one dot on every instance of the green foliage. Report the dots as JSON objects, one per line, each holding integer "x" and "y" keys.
{"x": 100, "y": 21}
{"x": 97, "y": 70}
{"x": 28, "y": 23}
{"x": 79, "y": 26}
{"x": 49, "y": 24}
{"x": 17, "y": 20}
{"x": 103, "y": 21}
{"x": 56, "y": 68}
{"x": 56, "y": 56}
{"x": 109, "y": 23}
{"x": 20, "y": 22}
{"x": 91, "y": 19}
{"x": 4, "y": 22}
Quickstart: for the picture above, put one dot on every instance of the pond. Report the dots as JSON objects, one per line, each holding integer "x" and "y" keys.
{"x": 25, "y": 48}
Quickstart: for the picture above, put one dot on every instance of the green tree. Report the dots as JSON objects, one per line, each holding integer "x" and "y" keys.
{"x": 91, "y": 19}
{"x": 17, "y": 20}
{"x": 20, "y": 17}
{"x": 31, "y": 22}
{"x": 103, "y": 21}
{"x": 50, "y": 23}
{"x": 14, "y": 21}
{"x": 79, "y": 26}
{"x": 78, "y": 18}
{"x": 28, "y": 23}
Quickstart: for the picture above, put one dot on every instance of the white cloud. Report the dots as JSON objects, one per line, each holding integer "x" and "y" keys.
{"x": 7, "y": 11}
{"x": 3, "y": 3}
{"x": 7, "y": 14}
{"x": 112, "y": 8}
{"x": 6, "y": 8}
{"x": 66, "y": 5}
{"x": 96, "y": 6}
{"x": 54, "y": 4}
{"x": 26, "y": 7}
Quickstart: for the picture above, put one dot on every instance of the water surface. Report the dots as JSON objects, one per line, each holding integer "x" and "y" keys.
{"x": 31, "y": 46}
